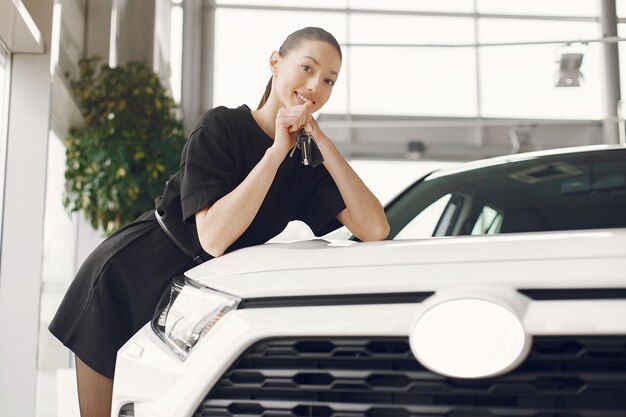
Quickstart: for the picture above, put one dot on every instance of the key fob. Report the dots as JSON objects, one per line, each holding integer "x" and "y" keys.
{"x": 311, "y": 155}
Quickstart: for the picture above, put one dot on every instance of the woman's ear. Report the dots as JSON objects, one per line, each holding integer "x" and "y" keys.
{"x": 274, "y": 60}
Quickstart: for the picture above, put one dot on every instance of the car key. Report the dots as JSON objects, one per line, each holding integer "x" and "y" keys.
{"x": 305, "y": 146}
{"x": 311, "y": 155}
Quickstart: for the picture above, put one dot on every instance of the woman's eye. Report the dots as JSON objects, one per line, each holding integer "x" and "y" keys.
{"x": 306, "y": 68}
{"x": 330, "y": 82}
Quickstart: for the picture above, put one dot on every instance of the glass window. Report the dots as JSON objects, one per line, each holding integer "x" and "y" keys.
{"x": 525, "y": 30}
{"x": 242, "y": 71}
{"x": 413, "y": 81}
{"x": 4, "y": 118}
{"x": 541, "y": 7}
{"x": 336, "y": 4}
{"x": 572, "y": 191}
{"x": 387, "y": 179}
{"x": 488, "y": 222}
{"x": 412, "y": 5}
{"x": 425, "y": 223}
{"x": 514, "y": 81}
{"x": 519, "y": 81}
{"x": 59, "y": 258}
{"x": 410, "y": 29}
{"x": 59, "y": 251}
{"x": 176, "y": 48}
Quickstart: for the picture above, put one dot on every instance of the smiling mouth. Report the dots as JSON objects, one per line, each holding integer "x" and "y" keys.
{"x": 306, "y": 100}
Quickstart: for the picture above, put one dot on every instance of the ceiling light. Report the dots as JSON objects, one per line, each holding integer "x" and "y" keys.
{"x": 569, "y": 74}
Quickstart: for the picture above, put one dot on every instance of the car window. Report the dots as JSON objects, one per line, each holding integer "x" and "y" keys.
{"x": 489, "y": 221}
{"x": 425, "y": 222}
{"x": 585, "y": 190}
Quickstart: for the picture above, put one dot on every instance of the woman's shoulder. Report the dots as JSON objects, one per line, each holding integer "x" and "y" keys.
{"x": 222, "y": 115}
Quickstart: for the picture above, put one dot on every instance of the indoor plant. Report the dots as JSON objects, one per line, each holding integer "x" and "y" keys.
{"x": 130, "y": 144}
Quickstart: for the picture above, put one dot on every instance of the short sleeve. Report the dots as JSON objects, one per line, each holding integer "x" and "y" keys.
{"x": 208, "y": 168}
{"x": 322, "y": 204}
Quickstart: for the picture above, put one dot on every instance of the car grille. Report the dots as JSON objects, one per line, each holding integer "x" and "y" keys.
{"x": 565, "y": 376}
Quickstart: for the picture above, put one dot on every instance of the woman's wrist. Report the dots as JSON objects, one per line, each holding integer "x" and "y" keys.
{"x": 276, "y": 154}
{"x": 319, "y": 136}
{"x": 323, "y": 142}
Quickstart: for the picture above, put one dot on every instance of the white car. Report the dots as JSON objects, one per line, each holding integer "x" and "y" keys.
{"x": 521, "y": 314}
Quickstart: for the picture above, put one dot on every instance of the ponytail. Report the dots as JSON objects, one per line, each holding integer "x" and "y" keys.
{"x": 266, "y": 94}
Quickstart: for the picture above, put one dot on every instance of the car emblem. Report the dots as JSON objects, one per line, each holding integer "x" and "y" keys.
{"x": 469, "y": 338}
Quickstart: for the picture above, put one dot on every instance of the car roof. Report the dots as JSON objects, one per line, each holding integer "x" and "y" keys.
{"x": 498, "y": 160}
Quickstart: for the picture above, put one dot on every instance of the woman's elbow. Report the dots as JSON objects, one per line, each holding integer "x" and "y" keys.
{"x": 372, "y": 234}
{"x": 212, "y": 246}
{"x": 382, "y": 231}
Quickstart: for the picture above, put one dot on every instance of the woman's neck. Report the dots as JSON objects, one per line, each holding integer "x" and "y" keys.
{"x": 265, "y": 117}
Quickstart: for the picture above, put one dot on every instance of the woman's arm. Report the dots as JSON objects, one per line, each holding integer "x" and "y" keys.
{"x": 364, "y": 216}
{"x": 221, "y": 224}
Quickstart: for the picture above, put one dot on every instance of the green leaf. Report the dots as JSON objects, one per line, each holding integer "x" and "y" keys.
{"x": 119, "y": 161}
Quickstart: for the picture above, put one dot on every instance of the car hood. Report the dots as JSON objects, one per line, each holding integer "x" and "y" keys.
{"x": 318, "y": 267}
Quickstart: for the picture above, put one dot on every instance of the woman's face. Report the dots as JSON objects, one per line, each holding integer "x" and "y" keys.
{"x": 306, "y": 73}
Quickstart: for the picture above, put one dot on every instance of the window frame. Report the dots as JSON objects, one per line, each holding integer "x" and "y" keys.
{"x": 5, "y": 84}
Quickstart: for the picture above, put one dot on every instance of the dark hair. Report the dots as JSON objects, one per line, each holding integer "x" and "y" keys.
{"x": 294, "y": 40}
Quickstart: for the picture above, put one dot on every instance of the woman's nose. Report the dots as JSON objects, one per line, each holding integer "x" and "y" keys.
{"x": 313, "y": 85}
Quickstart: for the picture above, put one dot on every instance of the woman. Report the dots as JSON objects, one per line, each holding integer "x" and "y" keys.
{"x": 238, "y": 186}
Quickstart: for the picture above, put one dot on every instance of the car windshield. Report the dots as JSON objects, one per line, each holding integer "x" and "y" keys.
{"x": 585, "y": 190}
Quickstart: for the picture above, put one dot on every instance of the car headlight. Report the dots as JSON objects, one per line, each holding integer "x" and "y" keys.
{"x": 186, "y": 312}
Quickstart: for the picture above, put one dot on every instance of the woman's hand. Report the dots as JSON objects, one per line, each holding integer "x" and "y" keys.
{"x": 289, "y": 121}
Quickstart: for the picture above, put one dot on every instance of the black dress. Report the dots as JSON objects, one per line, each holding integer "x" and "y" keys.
{"x": 118, "y": 286}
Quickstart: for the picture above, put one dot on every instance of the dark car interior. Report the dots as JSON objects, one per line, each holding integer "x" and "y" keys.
{"x": 560, "y": 192}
